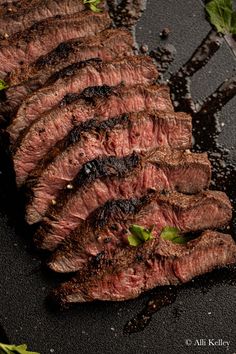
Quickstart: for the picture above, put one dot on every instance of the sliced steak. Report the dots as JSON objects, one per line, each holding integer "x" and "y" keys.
{"x": 37, "y": 10}
{"x": 106, "y": 45}
{"x": 25, "y": 47}
{"x": 106, "y": 229}
{"x": 113, "y": 178}
{"x": 130, "y": 71}
{"x": 118, "y": 137}
{"x": 138, "y": 269}
{"x": 57, "y": 123}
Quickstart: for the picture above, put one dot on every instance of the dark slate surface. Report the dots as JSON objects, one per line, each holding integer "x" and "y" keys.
{"x": 203, "y": 309}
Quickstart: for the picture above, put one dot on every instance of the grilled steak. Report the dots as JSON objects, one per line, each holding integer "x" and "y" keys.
{"x": 37, "y": 10}
{"x": 106, "y": 229}
{"x": 131, "y": 70}
{"x": 158, "y": 262}
{"x": 118, "y": 137}
{"x": 113, "y": 178}
{"x": 25, "y": 47}
{"x": 56, "y": 124}
{"x": 106, "y": 45}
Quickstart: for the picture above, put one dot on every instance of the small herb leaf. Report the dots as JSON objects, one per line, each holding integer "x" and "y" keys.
{"x": 172, "y": 234}
{"x": 93, "y": 5}
{"x": 3, "y": 85}
{"x": 134, "y": 241}
{"x": 169, "y": 233}
{"x": 222, "y": 15}
{"x": 139, "y": 235}
{"x": 15, "y": 349}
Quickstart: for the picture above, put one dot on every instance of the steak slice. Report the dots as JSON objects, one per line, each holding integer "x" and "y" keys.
{"x": 106, "y": 229}
{"x": 110, "y": 178}
{"x": 130, "y": 70}
{"x": 107, "y": 45}
{"x": 25, "y": 47}
{"x": 117, "y": 136}
{"x": 137, "y": 269}
{"x": 57, "y": 123}
{"x": 37, "y": 10}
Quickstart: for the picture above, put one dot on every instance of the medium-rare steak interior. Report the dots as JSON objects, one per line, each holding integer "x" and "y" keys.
{"x": 106, "y": 229}
{"x": 113, "y": 178}
{"x": 75, "y": 109}
{"x": 25, "y": 47}
{"x": 135, "y": 270}
{"x": 35, "y": 11}
{"x": 102, "y": 157}
{"x": 117, "y": 136}
{"x": 107, "y": 45}
{"x": 130, "y": 70}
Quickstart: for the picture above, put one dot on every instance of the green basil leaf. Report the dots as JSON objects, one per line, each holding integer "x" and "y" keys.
{"x": 13, "y": 349}
{"x": 94, "y": 8}
{"x": 134, "y": 241}
{"x": 172, "y": 234}
{"x": 139, "y": 235}
{"x": 222, "y": 15}
{"x": 169, "y": 233}
{"x": 3, "y": 85}
{"x": 93, "y": 5}
{"x": 181, "y": 240}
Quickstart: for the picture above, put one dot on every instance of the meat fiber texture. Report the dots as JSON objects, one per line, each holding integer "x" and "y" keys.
{"x": 107, "y": 228}
{"x": 16, "y": 20}
{"x": 113, "y": 137}
{"x": 63, "y": 61}
{"x": 131, "y": 70}
{"x": 113, "y": 178}
{"x": 57, "y": 123}
{"x": 135, "y": 270}
{"x": 167, "y": 129}
{"x": 25, "y": 47}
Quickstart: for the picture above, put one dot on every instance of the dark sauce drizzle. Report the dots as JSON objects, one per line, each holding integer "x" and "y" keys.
{"x": 163, "y": 296}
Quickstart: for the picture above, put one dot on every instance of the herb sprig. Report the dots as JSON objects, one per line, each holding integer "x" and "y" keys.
{"x": 3, "y": 85}
{"x": 222, "y": 15}
{"x": 173, "y": 234}
{"x": 93, "y": 5}
{"x": 139, "y": 235}
{"x": 14, "y": 349}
